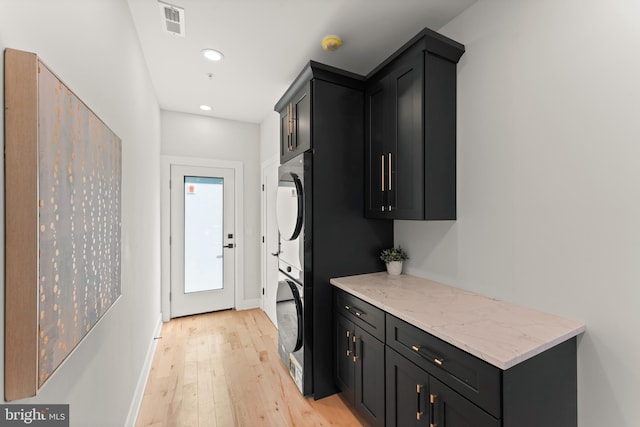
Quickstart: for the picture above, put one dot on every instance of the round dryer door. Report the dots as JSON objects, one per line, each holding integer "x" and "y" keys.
{"x": 289, "y": 315}
{"x": 289, "y": 206}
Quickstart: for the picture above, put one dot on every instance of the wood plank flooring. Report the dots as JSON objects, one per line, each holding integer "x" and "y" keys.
{"x": 222, "y": 369}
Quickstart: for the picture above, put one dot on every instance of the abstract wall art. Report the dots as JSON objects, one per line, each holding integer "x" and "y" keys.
{"x": 62, "y": 220}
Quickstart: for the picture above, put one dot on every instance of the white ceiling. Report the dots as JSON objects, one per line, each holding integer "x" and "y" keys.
{"x": 266, "y": 44}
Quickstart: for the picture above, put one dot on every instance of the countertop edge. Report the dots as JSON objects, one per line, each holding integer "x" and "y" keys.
{"x": 502, "y": 364}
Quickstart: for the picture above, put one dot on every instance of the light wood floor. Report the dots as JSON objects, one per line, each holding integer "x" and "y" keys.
{"x": 222, "y": 369}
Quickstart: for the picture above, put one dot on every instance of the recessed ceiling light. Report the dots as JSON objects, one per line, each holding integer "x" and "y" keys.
{"x": 212, "y": 54}
{"x": 205, "y": 108}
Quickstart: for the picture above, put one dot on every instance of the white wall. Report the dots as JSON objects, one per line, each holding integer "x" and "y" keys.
{"x": 190, "y": 135}
{"x": 548, "y": 176}
{"x": 270, "y": 137}
{"x": 92, "y": 46}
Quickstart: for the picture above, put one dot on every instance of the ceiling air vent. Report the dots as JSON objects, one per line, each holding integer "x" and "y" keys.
{"x": 172, "y": 18}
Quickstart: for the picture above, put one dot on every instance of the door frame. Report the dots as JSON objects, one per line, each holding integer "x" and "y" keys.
{"x": 265, "y": 252}
{"x": 165, "y": 225}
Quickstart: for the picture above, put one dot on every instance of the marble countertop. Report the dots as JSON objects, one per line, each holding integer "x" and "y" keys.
{"x": 497, "y": 332}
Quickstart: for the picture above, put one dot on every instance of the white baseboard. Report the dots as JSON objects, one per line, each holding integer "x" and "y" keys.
{"x": 134, "y": 409}
{"x": 248, "y": 303}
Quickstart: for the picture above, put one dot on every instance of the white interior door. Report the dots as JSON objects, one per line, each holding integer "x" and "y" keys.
{"x": 202, "y": 240}
{"x": 270, "y": 246}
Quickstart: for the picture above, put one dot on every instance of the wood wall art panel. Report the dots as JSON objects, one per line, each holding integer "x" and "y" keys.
{"x": 62, "y": 201}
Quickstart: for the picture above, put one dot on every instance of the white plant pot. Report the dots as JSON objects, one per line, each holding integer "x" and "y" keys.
{"x": 394, "y": 268}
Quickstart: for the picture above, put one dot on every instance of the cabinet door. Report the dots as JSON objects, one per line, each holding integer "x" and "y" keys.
{"x": 407, "y": 392}
{"x": 344, "y": 366}
{"x": 369, "y": 377}
{"x": 376, "y": 150}
{"x": 302, "y": 120}
{"x": 395, "y": 141}
{"x": 286, "y": 135}
{"x": 295, "y": 125}
{"x": 450, "y": 409}
{"x": 406, "y": 194}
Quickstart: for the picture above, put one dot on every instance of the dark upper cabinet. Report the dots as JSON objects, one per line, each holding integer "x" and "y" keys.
{"x": 410, "y": 130}
{"x": 295, "y": 124}
{"x": 313, "y": 98}
{"x": 396, "y": 150}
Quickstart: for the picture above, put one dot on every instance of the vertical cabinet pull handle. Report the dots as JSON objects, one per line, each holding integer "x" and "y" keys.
{"x": 382, "y": 181}
{"x": 390, "y": 186}
{"x": 355, "y": 353}
{"x": 294, "y": 123}
{"x": 348, "y": 343}
{"x": 290, "y": 128}
{"x": 433, "y": 402}
{"x": 419, "y": 411}
{"x": 382, "y": 174}
{"x": 390, "y": 169}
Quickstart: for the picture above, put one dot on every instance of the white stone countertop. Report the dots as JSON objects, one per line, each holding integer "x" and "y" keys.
{"x": 500, "y": 333}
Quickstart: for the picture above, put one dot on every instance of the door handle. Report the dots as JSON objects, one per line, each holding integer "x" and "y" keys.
{"x": 279, "y": 249}
{"x": 229, "y": 246}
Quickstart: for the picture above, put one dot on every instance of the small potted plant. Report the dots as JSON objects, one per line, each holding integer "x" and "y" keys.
{"x": 393, "y": 259}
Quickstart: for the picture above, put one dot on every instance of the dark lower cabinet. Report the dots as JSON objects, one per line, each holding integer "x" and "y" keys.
{"x": 344, "y": 368}
{"x": 360, "y": 370}
{"x": 407, "y": 377}
{"x": 407, "y": 392}
{"x": 465, "y": 391}
{"x": 450, "y": 409}
{"x": 414, "y": 398}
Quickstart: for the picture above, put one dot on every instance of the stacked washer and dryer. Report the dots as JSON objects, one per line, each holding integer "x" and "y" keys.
{"x": 290, "y": 213}
{"x": 320, "y": 215}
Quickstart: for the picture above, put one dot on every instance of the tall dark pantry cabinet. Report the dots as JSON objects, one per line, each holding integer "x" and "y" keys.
{"x": 322, "y": 116}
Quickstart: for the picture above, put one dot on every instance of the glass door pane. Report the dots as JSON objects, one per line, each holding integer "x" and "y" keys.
{"x": 203, "y": 234}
